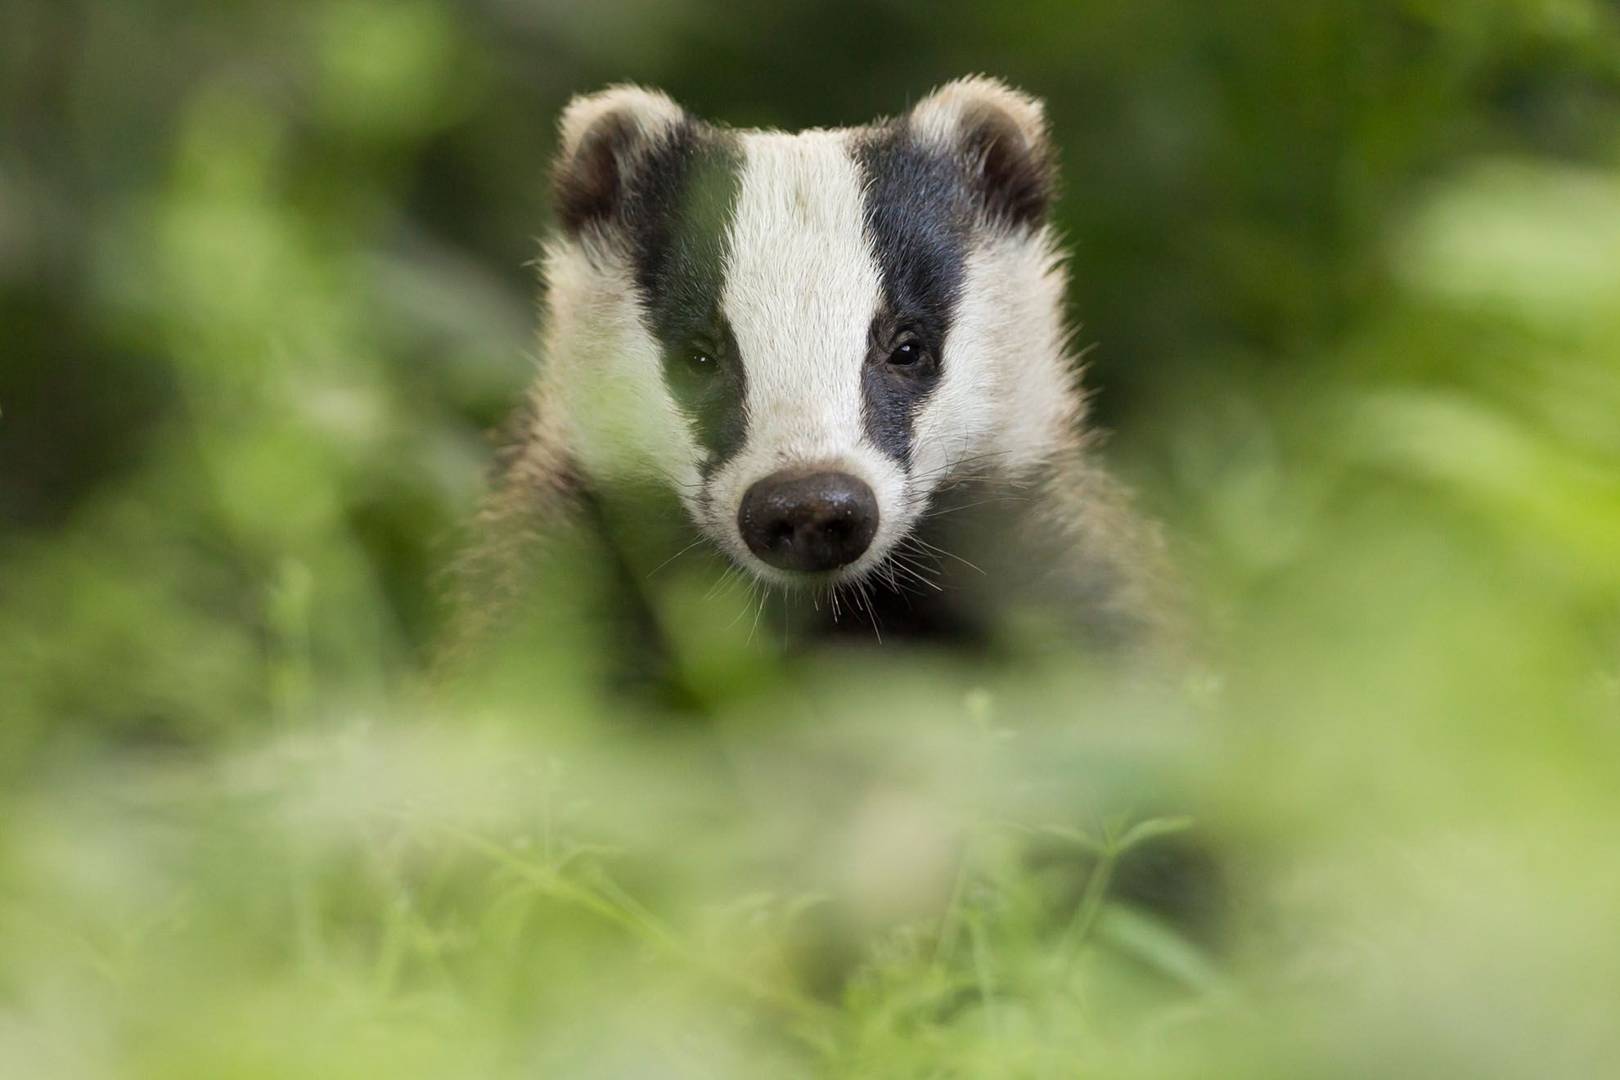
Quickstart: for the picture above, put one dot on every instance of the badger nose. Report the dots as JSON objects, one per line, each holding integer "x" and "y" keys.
{"x": 808, "y": 521}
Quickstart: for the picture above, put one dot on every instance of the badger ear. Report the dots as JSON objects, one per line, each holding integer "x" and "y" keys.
{"x": 999, "y": 135}
{"x": 604, "y": 138}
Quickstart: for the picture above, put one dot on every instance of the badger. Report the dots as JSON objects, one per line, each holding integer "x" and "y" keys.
{"x": 836, "y": 361}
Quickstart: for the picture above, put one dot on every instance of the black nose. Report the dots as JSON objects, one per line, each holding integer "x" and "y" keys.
{"x": 808, "y": 521}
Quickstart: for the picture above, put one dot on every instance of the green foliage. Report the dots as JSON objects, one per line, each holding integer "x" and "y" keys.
{"x": 1352, "y": 274}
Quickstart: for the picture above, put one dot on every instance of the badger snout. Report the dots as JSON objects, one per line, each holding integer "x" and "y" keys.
{"x": 798, "y": 520}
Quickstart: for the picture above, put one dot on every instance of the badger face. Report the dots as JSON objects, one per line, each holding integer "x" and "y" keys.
{"x": 806, "y": 335}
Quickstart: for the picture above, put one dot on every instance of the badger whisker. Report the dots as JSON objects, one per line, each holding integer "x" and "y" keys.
{"x": 915, "y": 573}
{"x": 943, "y": 511}
{"x": 729, "y": 576}
{"x": 742, "y": 609}
{"x": 673, "y": 557}
{"x": 954, "y": 466}
{"x": 865, "y": 595}
{"x": 763, "y": 596}
{"x": 936, "y": 549}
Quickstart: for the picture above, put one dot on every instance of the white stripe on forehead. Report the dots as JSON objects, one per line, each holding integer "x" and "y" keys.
{"x": 802, "y": 286}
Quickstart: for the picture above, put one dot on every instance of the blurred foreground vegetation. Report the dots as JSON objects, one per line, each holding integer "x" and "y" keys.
{"x": 1352, "y": 273}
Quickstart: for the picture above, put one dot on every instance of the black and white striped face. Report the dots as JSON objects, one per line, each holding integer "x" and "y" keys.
{"x": 805, "y": 335}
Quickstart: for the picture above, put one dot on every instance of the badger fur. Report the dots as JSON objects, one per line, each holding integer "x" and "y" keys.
{"x": 840, "y": 360}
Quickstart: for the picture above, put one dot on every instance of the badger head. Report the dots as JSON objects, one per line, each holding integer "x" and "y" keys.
{"x": 806, "y": 335}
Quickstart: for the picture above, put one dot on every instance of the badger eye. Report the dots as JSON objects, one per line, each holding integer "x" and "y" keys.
{"x": 701, "y": 362}
{"x": 909, "y": 356}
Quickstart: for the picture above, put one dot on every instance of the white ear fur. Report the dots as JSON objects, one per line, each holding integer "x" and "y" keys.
{"x": 945, "y": 115}
{"x": 651, "y": 112}
{"x": 999, "y": 137}
{"x": 603, "y": 137}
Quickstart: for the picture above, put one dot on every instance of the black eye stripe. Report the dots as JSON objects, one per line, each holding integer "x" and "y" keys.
{"x": 917, "y": 218}
{"x": 709, "y": 383}
{"x": 679, "y": 208}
